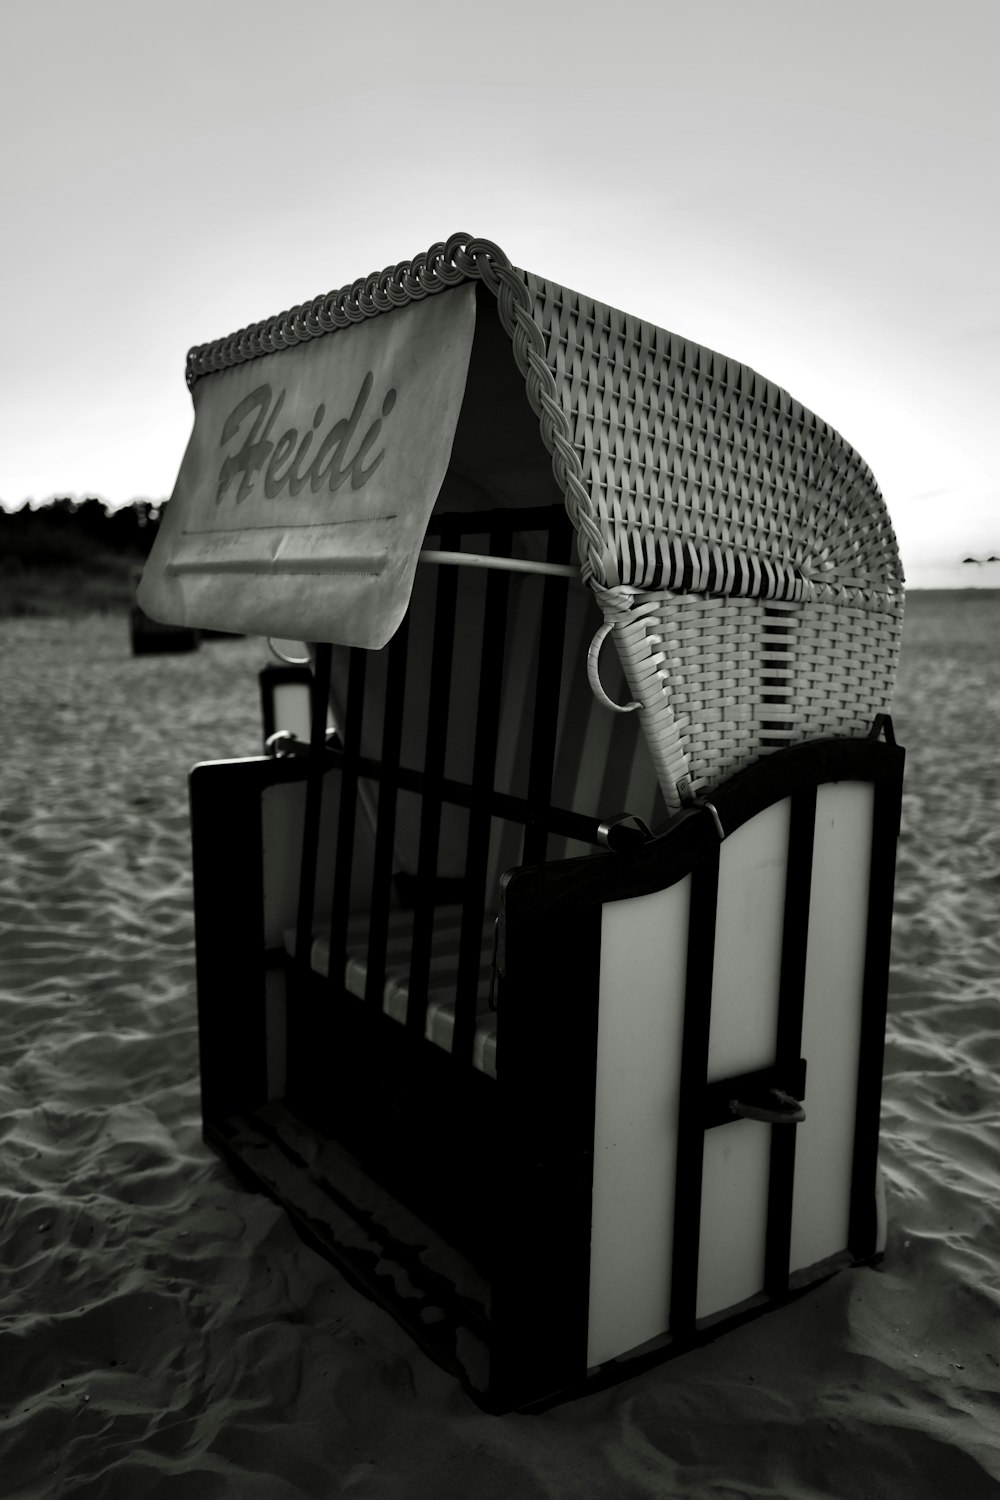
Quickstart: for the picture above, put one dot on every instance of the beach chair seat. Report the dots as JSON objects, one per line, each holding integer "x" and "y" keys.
{"x": 442, "y": 975}
{"x": 542, "y": 980}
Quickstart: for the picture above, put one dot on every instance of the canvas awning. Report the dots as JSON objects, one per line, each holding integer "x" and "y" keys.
{"x": 310, "y": 477}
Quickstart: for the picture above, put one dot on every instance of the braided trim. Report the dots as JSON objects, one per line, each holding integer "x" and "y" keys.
{"x": 856, "y": 547}
{"x": 445, "y": 264}
{"x": 442, "y": 266}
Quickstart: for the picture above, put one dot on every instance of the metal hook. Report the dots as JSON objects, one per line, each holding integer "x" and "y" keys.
{"x": 623, "y": 831}
{"x": 710, "y": 808}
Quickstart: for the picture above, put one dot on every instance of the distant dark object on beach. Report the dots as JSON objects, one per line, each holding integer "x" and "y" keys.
{"x": 149, "y": 636}
{"x": 980, "y": 560}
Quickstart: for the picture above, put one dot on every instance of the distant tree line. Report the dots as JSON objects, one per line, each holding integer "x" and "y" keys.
{"x": 67, "y": 532}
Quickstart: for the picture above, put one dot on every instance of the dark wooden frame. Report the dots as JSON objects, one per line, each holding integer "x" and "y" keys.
{"x": 530, "y": 1142}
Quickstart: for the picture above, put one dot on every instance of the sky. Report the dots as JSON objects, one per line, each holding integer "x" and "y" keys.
{"x": 810, "y": 188}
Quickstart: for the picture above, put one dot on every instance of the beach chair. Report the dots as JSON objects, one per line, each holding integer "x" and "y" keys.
{"x": 541, "y": 975}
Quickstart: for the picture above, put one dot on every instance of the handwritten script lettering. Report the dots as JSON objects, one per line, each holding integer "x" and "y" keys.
{"x": 289, "y": 462}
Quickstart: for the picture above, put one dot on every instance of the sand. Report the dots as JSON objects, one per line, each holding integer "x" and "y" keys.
{"x": 163, "y": 1332}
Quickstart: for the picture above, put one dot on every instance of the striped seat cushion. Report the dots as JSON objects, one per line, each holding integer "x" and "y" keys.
{"x": 442, "y": 981}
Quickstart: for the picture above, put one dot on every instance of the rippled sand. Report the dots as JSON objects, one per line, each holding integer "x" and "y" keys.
{"x": 163, "y": 1332}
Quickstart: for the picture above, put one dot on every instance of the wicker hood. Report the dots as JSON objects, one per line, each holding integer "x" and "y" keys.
{"x": 315, "y": 460}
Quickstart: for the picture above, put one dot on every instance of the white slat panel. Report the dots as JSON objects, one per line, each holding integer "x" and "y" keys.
{"x": 640, "y": 1026}
{"x": 748, "y": 933}
{"x": 753, "y": 865}
{"x": 733, "y": 1215}
{"x": 838, "y": 915}
{"x": 292, "y": 710}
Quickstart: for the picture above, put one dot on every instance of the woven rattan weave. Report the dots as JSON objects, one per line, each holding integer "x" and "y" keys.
{"x": 738, "y": 546}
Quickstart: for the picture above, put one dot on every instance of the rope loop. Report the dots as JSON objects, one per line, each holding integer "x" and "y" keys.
{"x": 310, "y": 319}
{"x": 487, "y": 259}
{"x": 286, "y": 327}
{"x": 454, "y": 249}
{"x": 328, "y": 312}
{"x": 450, "y": 272}
{"x": 381, "y": 294}
{"x": 433, "y": 257}
{"x": 366, "y": 296}
{"x": 396, "y": 284}
{"x": 352, "y": 302}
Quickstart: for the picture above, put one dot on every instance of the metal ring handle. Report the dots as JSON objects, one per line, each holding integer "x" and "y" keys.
{"x": 279, "y": 744}
{"x": 594, "y": 672}
{"x": 290, "y": 661}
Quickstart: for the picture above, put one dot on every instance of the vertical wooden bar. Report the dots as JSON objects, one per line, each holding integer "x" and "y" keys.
{"x": 795, "y": 933}
{"x": 228, "y": 900}
{"x": 347, "y": 820}
{"x": 301, "y": 1041}
{"x": 885, "y": 832}
{"x": 385, "y": 830}
{"x": 690, "y": 1111}
{"x": 548, "y": 1059}
{"x": 443, "y": 652}
{"x": 480, "y": 812}
{"x": 547, "y": 687}
{"x": 319, "y": 694}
